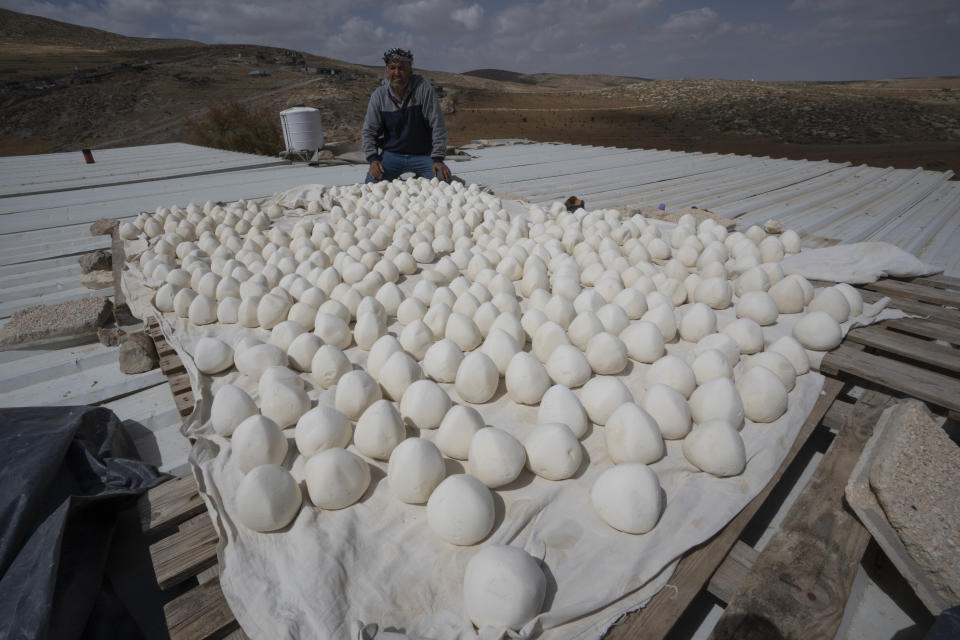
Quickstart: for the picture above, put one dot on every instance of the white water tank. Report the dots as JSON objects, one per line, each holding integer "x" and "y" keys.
{"x": 301, "y": 128}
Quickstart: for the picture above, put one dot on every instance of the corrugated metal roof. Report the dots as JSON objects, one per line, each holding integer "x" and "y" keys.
{"x": 825, "y": 202}
{"x": 48, "y": 202}
{"x": 68, "y": 171}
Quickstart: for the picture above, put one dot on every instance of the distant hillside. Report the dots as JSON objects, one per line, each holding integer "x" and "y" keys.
{"x": 564, "y": 82}
{"x": 20, "y": 27}
{"x": 501, "y": 75}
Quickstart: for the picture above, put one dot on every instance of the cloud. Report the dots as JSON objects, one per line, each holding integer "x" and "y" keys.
{"x": 437, "y": 16}
{"x": 829, "y": 5}
{"x": 693, "y": 24}
{"x": 119, "y": 16}
{"x": 589, "y": 17}
{"x": 470, "y": 17}
{"x": 361, "y": 40}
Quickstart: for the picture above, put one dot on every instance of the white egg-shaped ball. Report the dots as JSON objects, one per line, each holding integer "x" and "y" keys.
{"x": 789, "y": 348}
{"x": 212, "y": 355}
{"x": 256, "y": 441}
{"x": 553, "y": 451}
{"x": 715, "y": 446}
{"x": 268, "y": 498}
{"x": 632, "y": 435}
{"x": 496, "y": 458}
{"x": 379, "y": 429}
{"x": 460, "y": 510}
{"x": 560, "y": 404}
{"x": 415, "y": 469}
{"x": 356, "y": 391}
{"x": 669, "y": 409}
{"x": 763, "y": 394}
{"x": 503, "y": 588}
{"x": 601, "y": 396}
{"x": 322, "y": 428}
{"x": 477, "y": 378}
{"x": 628, "y": 497}
{"x": 231, "y": 406}
{"x": 336, "y": 478}
{"x": 424, "y": 404}
{"x": 818, "y": 331}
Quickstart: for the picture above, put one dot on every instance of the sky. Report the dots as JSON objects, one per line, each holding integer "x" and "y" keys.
{"x": 750, "y": 39}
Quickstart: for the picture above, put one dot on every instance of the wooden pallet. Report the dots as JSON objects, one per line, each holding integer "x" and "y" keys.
{"x": 799, "y": 584}
{"x": 915, "y": 356}
{"x": 184, "y": 555}
{"x": 184, "y": 547}
{"x": 768, "y": 591}
{"x": 173, "y": 368}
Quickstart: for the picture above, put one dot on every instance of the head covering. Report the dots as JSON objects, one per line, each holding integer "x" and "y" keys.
{"x": 397, "y": 54}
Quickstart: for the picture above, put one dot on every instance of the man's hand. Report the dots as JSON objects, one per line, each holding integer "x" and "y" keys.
{"x": 376, "y": 170}
{"x": 440, "y": 170}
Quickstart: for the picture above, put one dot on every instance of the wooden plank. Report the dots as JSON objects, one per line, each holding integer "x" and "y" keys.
{"x": 169, "y": 504}
{"x": 655, "y": 620}
{"x": 801, "y": 580}
{"x": 185, "y": 553}
{"x": 916, "y": 291}
{"x": 171, "y": 365}
{"x": 185, "y": 403}
{"x": 164, "y": 349}
{"x": 920, "y": 383}
{"x": 179, "y": 383}
{"x": 926, "y": 328}
{"x": 908, "y": 347}
{"x": 725, "y": 583}
{"x": 118, "y": 259}
{"x": 837, "y": 415}
{"x": 201, "y": 612}
{"x": 940, "y": 281}
{"x": 236, "y": 634}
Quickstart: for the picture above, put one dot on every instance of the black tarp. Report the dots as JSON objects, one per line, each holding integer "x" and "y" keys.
{"x": 66, "y": 473}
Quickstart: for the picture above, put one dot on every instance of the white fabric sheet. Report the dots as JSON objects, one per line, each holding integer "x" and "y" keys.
{"x": 330, "y": 574}
{"x": 858, "y": 263}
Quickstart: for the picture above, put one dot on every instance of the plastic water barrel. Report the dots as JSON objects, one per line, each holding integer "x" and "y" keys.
{"x": 301, "y": 128}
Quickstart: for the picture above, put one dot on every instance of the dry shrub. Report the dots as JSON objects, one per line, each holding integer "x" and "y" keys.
{"x": 237, "y": 127}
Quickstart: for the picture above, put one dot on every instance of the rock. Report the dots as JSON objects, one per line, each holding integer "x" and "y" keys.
{"x": 138, "y": 354}
{"x": 573, "y": 203}
{"x": 322, "y": 154}
{"x": 99, "y": 260}
{"x": 47, "y": 323}
{"x": 123, "y": 315}
{"x": 103, "y": 227}
{"x": 97, "y": 279}
{"x": 915, "y": 477}
{"x": 773, "y": 227}
{"x": 111, "y": 337}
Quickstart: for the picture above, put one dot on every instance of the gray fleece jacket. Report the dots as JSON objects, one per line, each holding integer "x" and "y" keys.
{"x": 414, "y": 126}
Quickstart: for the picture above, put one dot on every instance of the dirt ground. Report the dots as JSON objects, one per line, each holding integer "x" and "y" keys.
{"x": 657, "y": 130}
{"x": 64, "y": 87}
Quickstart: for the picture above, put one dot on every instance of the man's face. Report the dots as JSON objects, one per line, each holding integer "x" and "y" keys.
{"x": 398, "y": 73}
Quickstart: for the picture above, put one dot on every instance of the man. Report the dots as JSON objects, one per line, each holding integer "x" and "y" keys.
{"x": 405, "y": 121}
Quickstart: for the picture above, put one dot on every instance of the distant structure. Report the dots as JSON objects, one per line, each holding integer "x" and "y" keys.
{"x": 323, "y": 71}
{"x": 259, "y": 73}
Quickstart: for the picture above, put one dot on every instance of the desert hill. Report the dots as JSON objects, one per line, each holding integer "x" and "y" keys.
{"x": 35, "y": 30}
{"x": 65, "y": 87}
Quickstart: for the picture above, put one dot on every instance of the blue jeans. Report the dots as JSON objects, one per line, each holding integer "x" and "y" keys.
{"x": 395, "y": 164}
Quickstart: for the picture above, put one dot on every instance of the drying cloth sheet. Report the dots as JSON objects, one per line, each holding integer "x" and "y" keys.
{"x": 858, "y": 263}
{"x": 331, "y": 574}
